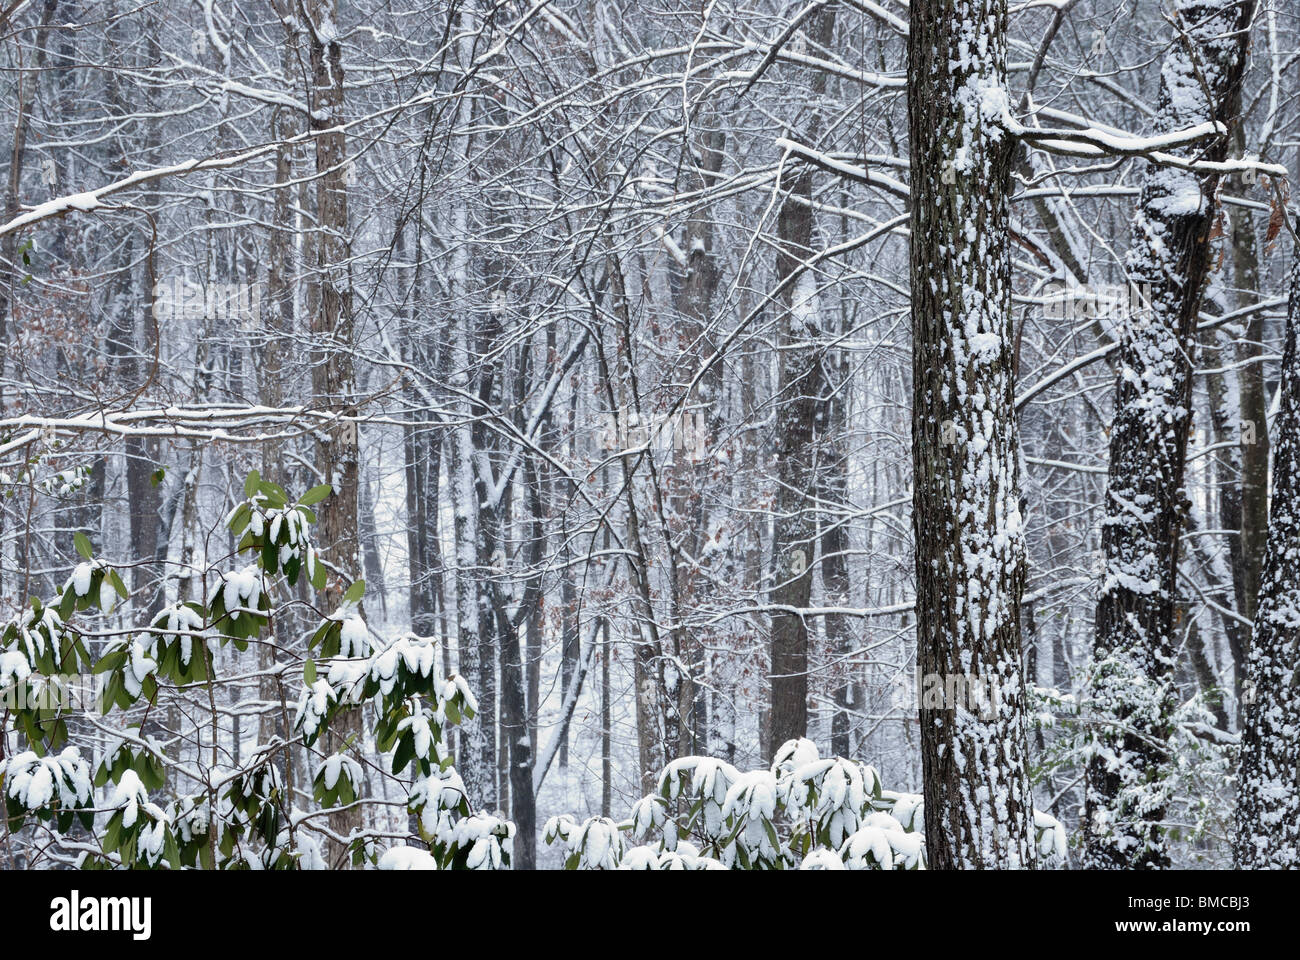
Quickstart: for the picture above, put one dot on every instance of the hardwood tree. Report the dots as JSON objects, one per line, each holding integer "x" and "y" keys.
{"x": 1268, "y": 781}
{"x": 1132, "y": 687}
{"x": 966, "y": 499}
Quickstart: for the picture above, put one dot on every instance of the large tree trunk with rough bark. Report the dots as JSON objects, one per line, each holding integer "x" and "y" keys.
{"x": 966, "y": 500}
{"x": 277, "y": 328}
{"x": 1132, "y": 690}
{"x": 1268, "y": 793}
{"x": 688, "y": 475}
{"x": 834, "y": 546}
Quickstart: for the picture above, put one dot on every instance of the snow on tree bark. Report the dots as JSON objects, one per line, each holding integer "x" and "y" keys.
{"x": 1132, "y": 691}
{"x": 333, "y": 375}
{"x": 1247, "y": 549}
{"x": 966, "y": 514}
{"x": 1268, "y": 791}
{"x": 802, "y": 382}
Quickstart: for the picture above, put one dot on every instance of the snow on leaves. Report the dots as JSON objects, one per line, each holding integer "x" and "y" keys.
{"x": 54, "y": 788}
{"x": 804, "y": 812}
{"x": 241, "y": 818}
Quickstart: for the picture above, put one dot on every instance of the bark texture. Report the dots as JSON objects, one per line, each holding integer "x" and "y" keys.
{"x": 966, "y": 513}
{"x": 1132, "y": 690}
{"x": 1268, "y": 794}
{"x": 801, "y": 384}
{"x": 333, "y": 375}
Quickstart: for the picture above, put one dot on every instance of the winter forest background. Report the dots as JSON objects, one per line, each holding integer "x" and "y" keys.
{"x": 772, "y": 434}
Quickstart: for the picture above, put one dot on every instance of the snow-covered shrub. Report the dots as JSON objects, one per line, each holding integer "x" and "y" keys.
{"x": 54, "y": 788}
{"x": 805, "y": 812}
{"x": 708, "y": 815}
{"x": 402, "y": 857}
{"x": 243, "y": 817}
{"x": 594, "y": 844}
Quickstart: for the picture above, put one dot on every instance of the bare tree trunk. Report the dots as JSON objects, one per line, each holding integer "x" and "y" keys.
{"x": 490, "y": 557}
{"x": 834, "y": 546}
{"x": 801, "y": 384}
{"x": 9, "y": 271}
{"x": 516, "y": 746}
{"x": 142, "y": 453}
{"x": 1133, "y": 650}
{"x": 689, "y": 475}
{"x": 372, "y": 563}
{"x": 1268, "y": 793}
{"x": 333, "y": 377}
{"x": 570, "y": 642}
{"x": 1252, "y": 395}
{"x": 277, "y": 327}
{"x": 966, "y": 500}
{"x": 1229, "y": 577}
{"x": 606, "y": 722}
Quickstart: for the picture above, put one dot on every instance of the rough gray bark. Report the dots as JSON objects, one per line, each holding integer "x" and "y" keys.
{"x": 606, "y": 723}
{"x": 801, "y": 384}
{"x": 422, "y": 447}
{"x": 834, "y": 549}
{"x": 966, "y": 500}
{"x": 278, "y": 323}
{"x": 1132, "y": 688}
{"x": 333, "y": 377}
{"x": 689, "y": 475}
{"x": 1248, "y": 562}
{"x": 1268, "y": 794}
{"x": 11, "y": 273}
